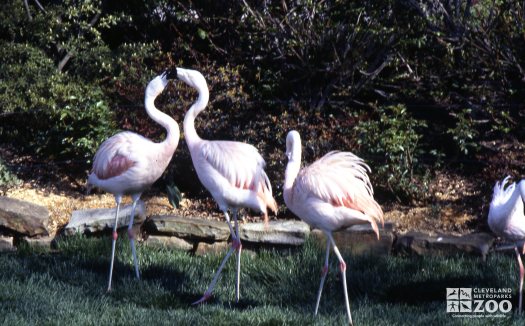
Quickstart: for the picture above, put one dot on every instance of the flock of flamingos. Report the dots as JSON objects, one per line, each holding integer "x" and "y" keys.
{"x": 332, "y": 193}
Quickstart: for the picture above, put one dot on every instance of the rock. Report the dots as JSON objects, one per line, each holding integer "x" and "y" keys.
{"x": 288, "y": 233}
{"x": 169, "y": 242}
{"x": 23, "y": 217}
{"x": 44, "y": 243}
{"x": 361, "y": 240}
{"x": 102, "y": 219}
{"x": 191, "y": 229}
{"x": 418, "y": 243}
{"x": 7, "y": 244}
{"x": 218, "y": 247}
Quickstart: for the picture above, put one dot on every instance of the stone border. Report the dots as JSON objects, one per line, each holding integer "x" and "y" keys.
{"x": 200, "y": 236}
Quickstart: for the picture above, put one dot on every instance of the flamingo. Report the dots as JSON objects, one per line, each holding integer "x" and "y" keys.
{"x": 507, "y": 220}
{"x": 233, "y": 173}
{"x": 331, "y": 194}
{"x": 128, "y": 163}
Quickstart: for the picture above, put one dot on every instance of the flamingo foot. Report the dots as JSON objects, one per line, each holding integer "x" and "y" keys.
{"x": 204, "y": 298}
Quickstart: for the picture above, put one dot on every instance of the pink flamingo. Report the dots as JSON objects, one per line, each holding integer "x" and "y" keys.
{"x": 331, "y": 194}
{"x": 507, "y": 220}
{"x": 233, "y": 172}
{"x": 128, "y": 163}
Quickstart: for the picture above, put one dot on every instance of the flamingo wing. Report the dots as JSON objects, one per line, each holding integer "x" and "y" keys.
{"x": 237, "y": 162}
{"x": 113, "y": 156}
{"x": 340, "y": 178}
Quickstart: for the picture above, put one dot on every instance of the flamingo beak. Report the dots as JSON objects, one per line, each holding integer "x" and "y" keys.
{"x": 171, "y": 73}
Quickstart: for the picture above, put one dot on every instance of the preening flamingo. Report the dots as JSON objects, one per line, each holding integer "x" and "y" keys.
{"x": 507, "y": 220}
{"x": 233, "y": 172}
{"x": 128, "y": 163}
{"x": 331, "y": 194}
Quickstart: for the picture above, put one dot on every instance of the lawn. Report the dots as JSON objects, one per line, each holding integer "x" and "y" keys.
{"x": 67, "y": 287}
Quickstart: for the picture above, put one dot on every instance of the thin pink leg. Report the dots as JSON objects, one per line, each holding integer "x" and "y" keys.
{"x": 522, "y": 273}
{"x": 131, "y": 237}
{"x": 114, "y": 241}
{"x": 323, "y": 276}
{"x": 238, "y": 248}
{"x": 342, "y": 266}
{"x": 208, "y": 292}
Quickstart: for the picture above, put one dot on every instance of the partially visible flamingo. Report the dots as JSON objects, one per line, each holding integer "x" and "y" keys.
{"x": 331, "y": 194}
{"x": 507, "y": 220}
{"x": 233, "y": 172}
{"x": 128, "y": 163}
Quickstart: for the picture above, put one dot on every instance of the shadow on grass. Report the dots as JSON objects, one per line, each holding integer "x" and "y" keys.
{"x": 274, "y": 286}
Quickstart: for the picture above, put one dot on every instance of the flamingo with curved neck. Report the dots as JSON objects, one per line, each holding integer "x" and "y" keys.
{"x": 128, "y": 163}
{"x": 233, "y": 173}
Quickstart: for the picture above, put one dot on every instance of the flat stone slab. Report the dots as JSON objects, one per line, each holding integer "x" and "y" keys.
{"x": 361, "y": 239}
{"x": 7, "y": 244}
{"x": 288, "y": 233}
{"x": 423, "y": 244}
{"x": 168, "y": 242}
{"x": 188, "y": 228}
{"x": 23, "y": 217}
{"x": 102, "y": 219}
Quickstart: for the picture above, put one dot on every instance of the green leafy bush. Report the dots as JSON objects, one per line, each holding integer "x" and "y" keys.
{"x": 48, "y": 112}
{"x": 81, "y": 120}
{"x": 392, "y": 142}
{"x": 7, "y": 177}
{"x": 464, "y": 132}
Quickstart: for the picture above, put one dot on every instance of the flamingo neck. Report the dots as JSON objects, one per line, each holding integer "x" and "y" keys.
{"x": 190, "y": 134}
{"x": 171, "y": 126}
{"x": 292, "y": 170}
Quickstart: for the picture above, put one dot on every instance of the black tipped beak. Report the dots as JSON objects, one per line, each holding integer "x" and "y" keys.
{"x": 171, "y": 73}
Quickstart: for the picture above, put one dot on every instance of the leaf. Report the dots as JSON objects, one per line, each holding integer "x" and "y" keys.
{"x": 174, "y": 195}
{"x": 201, "y": 33}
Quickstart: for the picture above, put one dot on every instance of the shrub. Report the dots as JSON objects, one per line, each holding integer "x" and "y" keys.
{"x": 392, "y": 143}
{"x": 7, "y": 177}
{"x": 59, "y": 116}
{"x": 464, "y": 132}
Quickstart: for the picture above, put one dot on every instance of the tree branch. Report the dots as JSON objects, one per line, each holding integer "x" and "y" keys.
{"x": 69, "y": 54}
{"x": 39, "y": 6}
{"x": 27, "y": 10}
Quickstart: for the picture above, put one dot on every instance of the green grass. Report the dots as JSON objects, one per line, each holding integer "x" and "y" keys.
{"x": 277, "y": 288}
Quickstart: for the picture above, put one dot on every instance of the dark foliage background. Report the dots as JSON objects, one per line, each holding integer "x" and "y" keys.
{"x": 411, "y": 86}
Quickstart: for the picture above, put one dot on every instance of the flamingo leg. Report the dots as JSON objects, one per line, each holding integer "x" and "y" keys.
{"x": 342, "y": 266}
{"x": 131, "y": 237}
{"x": 323, "y": 275}
{"x": 118, "y": 199}
{"x": 522, "y": 273}
{"x": 238, "y": 248}
{"x": 208, "y": 292}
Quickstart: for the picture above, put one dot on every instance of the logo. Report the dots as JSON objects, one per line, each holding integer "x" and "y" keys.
{"x": 478, "y": 302}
